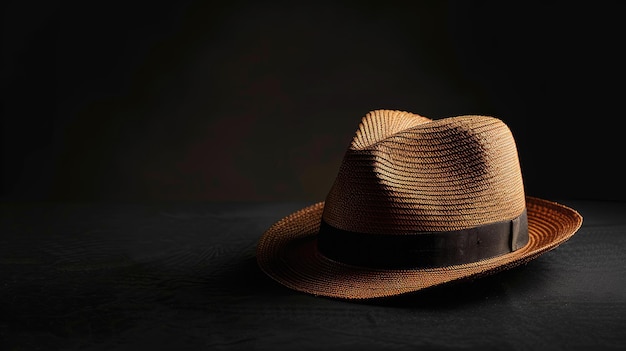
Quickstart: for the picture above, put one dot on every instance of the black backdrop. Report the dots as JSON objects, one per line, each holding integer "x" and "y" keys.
{"x": 231, "y": 100}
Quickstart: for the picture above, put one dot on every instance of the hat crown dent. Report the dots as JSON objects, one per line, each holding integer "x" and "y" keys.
{"x": 380, "y": 124}
{"x": 404, "y": 173}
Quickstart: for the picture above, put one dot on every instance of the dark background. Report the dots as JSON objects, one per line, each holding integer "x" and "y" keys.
{"x": 231, "y": 100}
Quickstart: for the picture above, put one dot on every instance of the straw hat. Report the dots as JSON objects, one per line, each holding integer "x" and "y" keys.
{"x": 416, "y": 203}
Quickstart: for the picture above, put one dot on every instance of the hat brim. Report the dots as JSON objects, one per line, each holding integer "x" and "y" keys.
{"x": 287, "y": 252}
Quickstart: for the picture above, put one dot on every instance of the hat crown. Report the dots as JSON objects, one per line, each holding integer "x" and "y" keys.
{"x": 405, "y": 173}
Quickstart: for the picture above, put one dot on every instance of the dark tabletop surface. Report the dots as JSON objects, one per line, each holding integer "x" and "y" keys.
{"x": 184, "y": 277}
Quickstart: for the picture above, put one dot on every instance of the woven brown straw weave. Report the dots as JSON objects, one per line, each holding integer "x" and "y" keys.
{"x": 407, "y": 177}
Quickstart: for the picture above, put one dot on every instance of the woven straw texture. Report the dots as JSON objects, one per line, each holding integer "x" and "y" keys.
{"x": 287, "y": 253}
{"x": 404, "y": 173}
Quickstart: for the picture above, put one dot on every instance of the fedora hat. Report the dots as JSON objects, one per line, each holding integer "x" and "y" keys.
{"x": 416, "y": 203}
